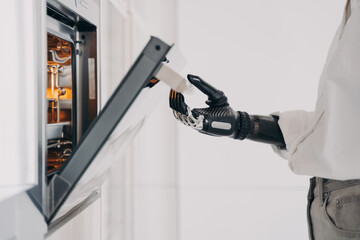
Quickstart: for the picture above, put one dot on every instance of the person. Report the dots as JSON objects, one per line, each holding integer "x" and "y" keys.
{"x": 324, "y": 143}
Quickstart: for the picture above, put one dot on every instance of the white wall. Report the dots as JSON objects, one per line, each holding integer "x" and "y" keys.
{"x": 266, "y": 56}
{"x": 154, "y": 149}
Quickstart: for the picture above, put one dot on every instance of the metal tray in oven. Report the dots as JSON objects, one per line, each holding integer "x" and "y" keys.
{"x": 55, "y": 130}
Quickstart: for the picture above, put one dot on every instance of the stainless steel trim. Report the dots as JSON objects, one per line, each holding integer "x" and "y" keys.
{"x": 88, "y": 9}
{"x": 40, "y": 12}
{"x": 60, "y": 30}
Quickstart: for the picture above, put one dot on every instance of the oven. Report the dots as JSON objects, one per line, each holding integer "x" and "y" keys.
{"x": 78, "y": 140}
{"x": 68, "y": 94}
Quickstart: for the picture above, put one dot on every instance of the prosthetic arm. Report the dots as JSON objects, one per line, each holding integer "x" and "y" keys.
{"x": 219, "y": 119}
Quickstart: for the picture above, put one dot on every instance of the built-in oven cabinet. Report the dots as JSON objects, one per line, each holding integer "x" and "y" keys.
{"x": 79, "y": 139}
{"x": 20, "y": 71}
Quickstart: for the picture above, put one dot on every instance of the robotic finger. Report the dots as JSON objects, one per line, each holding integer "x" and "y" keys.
{"x": 216, "y": 98}
{"x": 182, "y": 111}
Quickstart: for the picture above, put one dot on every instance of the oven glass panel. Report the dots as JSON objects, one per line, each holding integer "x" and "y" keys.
{"x": 60, "y": 97}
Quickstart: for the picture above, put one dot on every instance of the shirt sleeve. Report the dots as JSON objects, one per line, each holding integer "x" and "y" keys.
{"x": 293, "y": 124}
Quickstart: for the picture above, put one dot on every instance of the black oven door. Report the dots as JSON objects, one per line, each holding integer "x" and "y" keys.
{"x": 113, "y": 128}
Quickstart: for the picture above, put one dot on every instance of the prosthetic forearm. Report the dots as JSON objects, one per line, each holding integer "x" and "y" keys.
{"x": 265, "y": 129}
{"x": 219, "y": 119}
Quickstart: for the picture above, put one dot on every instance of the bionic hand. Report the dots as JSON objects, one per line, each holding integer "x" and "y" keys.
{"x": 219, "y": 119}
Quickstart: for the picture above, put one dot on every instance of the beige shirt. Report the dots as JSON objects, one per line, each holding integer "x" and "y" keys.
{"x": 326, "y": 142}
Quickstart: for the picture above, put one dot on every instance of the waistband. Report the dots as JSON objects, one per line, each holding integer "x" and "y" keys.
{"x": 327, "y": 185}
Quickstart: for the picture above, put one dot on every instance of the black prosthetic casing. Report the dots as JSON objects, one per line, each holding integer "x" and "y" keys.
{"x": 266, "y": 129}
{"x": 219, "y": 121}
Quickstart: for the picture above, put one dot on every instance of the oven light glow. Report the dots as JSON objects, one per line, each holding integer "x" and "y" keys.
{"x": 54, "y": 95}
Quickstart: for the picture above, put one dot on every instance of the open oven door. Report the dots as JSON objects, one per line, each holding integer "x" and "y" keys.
{"x": 110, "y": 132}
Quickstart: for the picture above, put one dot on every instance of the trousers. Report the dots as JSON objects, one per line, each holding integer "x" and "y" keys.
{"x": 333, "y": 210}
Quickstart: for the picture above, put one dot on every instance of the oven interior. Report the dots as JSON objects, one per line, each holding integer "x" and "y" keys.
{"x": 60, "y": 105}
{"x": 72, "y": 85}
